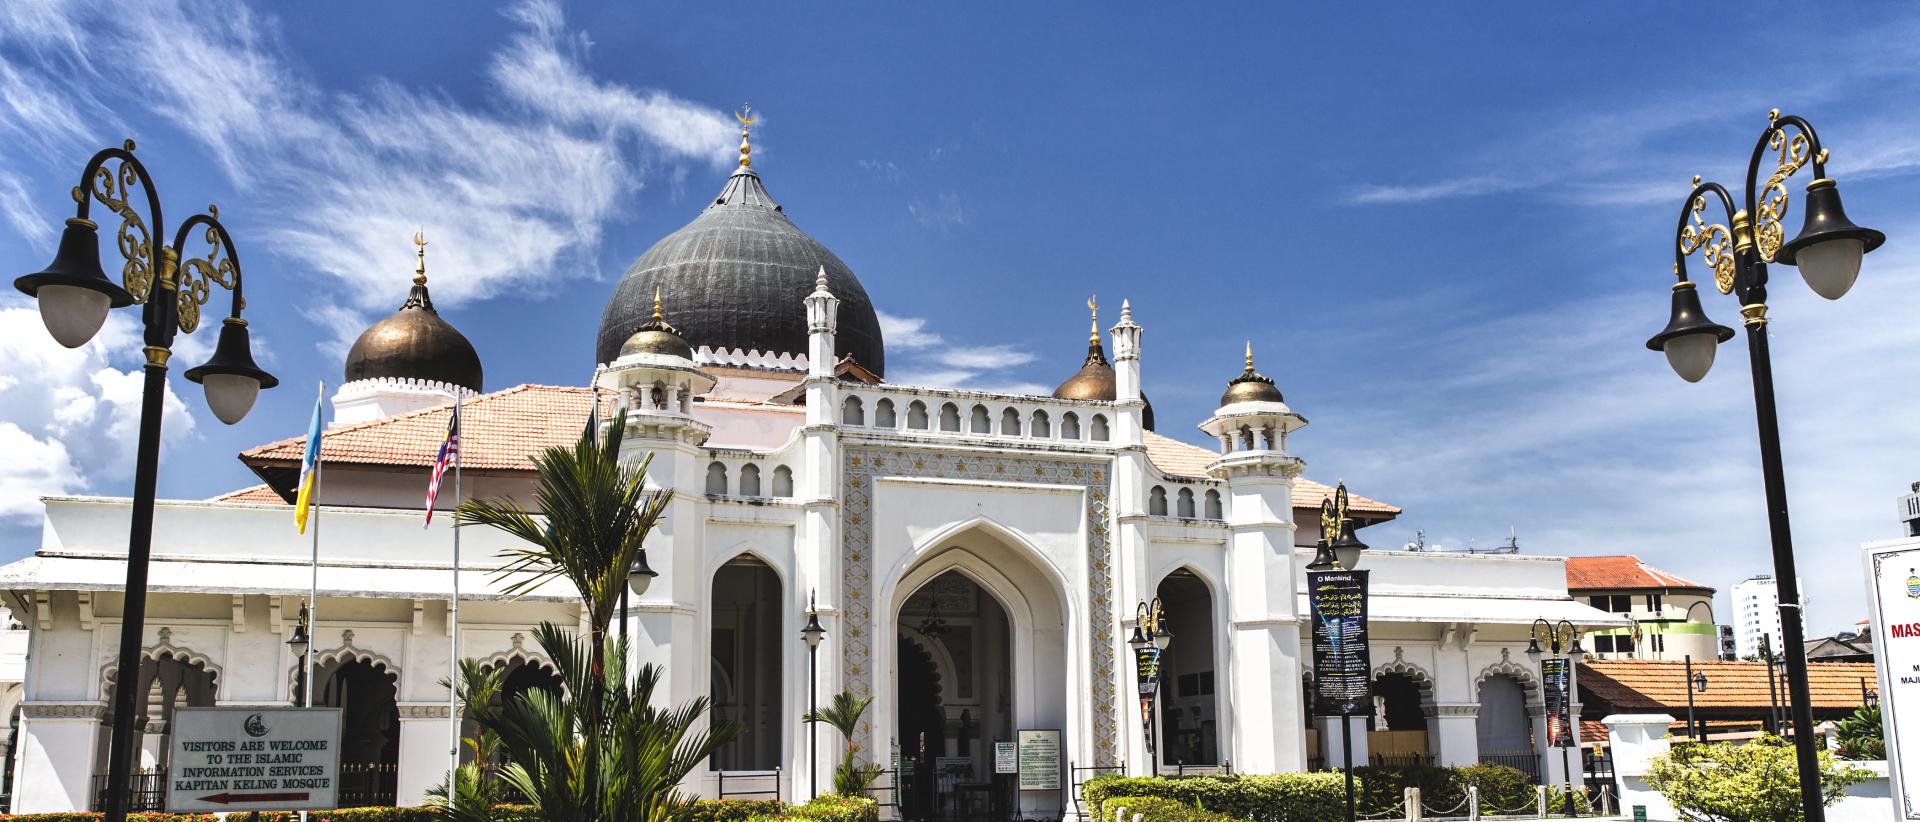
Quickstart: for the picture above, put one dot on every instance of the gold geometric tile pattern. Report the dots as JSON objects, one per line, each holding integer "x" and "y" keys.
{"x": 863, "y": 465}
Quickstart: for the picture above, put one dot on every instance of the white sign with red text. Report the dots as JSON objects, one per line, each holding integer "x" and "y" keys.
{"x": 254, "y": 759}
{"x": 1893, "y": 590}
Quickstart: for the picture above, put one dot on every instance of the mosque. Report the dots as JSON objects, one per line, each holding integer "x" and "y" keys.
{"x": 975, "y": 557}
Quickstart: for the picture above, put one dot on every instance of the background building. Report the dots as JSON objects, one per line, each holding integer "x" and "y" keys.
{"x": 1672, "y": 616}
{"x": 1756, "y": 613}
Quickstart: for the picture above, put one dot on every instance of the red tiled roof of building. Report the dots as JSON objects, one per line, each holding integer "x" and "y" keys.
{"x": 1179, "y": 459}
{"x": 262, "y": 493}
{"x": 1647, "y": 686}
{"x": 1624, "y": 572}
{"x": 500, "y": 431}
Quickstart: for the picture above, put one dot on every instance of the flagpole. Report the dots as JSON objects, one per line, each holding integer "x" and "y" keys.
{"x": 453, "y": 626}
{"x": 313, "y": 582}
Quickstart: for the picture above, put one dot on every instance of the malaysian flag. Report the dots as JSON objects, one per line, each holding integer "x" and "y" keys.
{"x": 449, "y": 452}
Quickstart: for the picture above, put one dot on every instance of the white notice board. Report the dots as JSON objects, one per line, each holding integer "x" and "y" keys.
{"x": 1005, "y": 758}
{"x": 1893, "y": 590}
{"x": 254, "y": 759}
{"x": 1039, "y": 754}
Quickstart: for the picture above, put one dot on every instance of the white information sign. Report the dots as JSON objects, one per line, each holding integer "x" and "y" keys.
{"x": 1005, "y": 760}
{"x": 254, "y": 759}
{"x": 1039, "y": 753}
{"x": 1893, "y": 588}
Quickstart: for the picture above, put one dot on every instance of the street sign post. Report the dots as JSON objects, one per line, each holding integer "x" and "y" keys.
{"x": 254, "y": 759}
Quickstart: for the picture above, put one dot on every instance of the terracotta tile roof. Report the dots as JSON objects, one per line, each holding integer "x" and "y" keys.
{"x": 1623, "y": 572}
{"x": 1180, "y": 459}
{"x": 502, "y": 429}
{"x": 262, "y": 493}
{"x": 1648, "y": 686}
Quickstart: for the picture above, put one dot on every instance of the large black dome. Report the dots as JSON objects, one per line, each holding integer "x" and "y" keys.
{"x": 736, "y": 277}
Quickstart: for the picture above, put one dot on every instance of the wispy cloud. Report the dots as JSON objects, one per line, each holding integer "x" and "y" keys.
{"x": 943, "y": 211}
{"x": 925, "y": 358}
{"x": 507, "y": 191}
{"x": 907, "y": 332}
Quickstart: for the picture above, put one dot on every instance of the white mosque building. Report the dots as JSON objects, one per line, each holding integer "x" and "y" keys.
{"x": 976, "y": 558}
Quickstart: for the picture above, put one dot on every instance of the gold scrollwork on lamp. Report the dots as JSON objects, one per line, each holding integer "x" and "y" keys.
{"x": 1712, "y": 240}
{"x": 1772, "y": 207}
{"x": 198, "y": 275}
{"x": 113, "y": 189}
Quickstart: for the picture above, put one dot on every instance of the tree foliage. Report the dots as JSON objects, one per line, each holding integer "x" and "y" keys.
{"x": 852, "y": 777}
{"x": 1754, "y": 782}
{"x": 1860, "y": 735}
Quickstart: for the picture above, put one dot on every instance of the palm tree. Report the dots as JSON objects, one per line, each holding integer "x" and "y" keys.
{"x": 552, "y": 744}
{"x": 474, "y": 792}
{"x": 597, "y": 514}
{"x": 851, "y": 778}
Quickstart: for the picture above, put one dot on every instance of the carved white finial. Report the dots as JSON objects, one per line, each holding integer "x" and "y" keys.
{"x": 1126, "y": 312}
{"x": 821, "y": 283}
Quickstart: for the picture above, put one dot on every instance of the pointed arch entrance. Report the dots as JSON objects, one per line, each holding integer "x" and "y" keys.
{"x": 1189, "y": 701}
{"x": 980, "y": 651}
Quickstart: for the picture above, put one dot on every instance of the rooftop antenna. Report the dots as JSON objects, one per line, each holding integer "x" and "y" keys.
{"x": 1513, "y": 541}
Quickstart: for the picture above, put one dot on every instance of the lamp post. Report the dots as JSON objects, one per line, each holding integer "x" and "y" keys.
{"x": 1150, "y": 639}
{"x": 1696, "y": 683}
{"x": 1869, "y": 697}
{"x": 74, "y": 296}
{"x": 812, "y": 634}
{"x": 1562, "y": 638}
{"x": 1827, "y": 251}
{"x": 639, "y": 578}
{"x": 1339, "y": 550}
{"x": 298, "y": 644}
{"x": 1773, "y": 690}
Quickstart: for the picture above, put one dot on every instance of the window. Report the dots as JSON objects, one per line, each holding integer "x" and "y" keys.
{"x": 883, "y": 414}
{"x": 1069, "y": 426}
{"x": 1010, "y": 423}
{"x": 1184, "y": 503}
{"x": 1041, "y": 426}
{"x": 950, "y": 417}
{"x": 783, "y": 481}
{"x": 1157, "y": 501}
{"x": 1660, "y": 642}
{"x": 981, "y": 423}
{"x": 1099, "y": 428}
{"x": 1213, "y": 505}
{"x": 1603, "y": 645}
{"x": 851, "y": 413}
{"x": 1653, "y": 603}
{"x": 749, "y": 480}
{"x": 1612, "y": 603}
{"x": 917, "y": 415}
{"x": 717, "y": 479}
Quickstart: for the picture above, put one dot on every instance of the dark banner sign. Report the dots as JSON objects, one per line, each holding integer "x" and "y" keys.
{"x": 1342, "y": 666}
{"x": 1555, "y": 673}
{"x": 1147, "y": 663}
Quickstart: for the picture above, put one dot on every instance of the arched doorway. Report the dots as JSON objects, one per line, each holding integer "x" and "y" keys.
{"x": 519, "y": 674}
{"x": 1045, "y": 685}
{"x": 1504, "y": 726}
{"x": 746, "y": 649}
{"x": 1189, "y": 708}
{"x": 172, "y": 679}
{"x": 955, "y": 687}
{"x": 1397, "y": 732}
{"x": 366, "y": 690}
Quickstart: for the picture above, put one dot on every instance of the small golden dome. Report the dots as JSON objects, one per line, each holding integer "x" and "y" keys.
{"x": 1250, "y": 386}
{"x": 656, "y": 336}
{"x": 1095, "y": 379}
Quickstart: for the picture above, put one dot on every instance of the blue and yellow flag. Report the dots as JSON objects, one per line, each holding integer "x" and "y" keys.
{"x": 309, "y": 465}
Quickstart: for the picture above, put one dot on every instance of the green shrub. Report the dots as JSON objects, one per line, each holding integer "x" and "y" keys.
{"x": 1292, "y": 796}
{"x": 1161, "y": 809}
{"x": 1755, "y": 782}
{"x": 728, "y": 810}
{"x": 420, "y": 813}
{"x": 1860, "y": 735}
{"x": 837, "y": 809}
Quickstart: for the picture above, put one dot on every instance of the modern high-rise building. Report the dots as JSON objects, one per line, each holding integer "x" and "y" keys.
{"x": 1756, "y": 613}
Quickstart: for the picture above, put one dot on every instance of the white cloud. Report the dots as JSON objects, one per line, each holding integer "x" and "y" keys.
{"x": 942, "y": 212}
{"x": 984, "y": 357}
{"x": 76, "y": 422}
{"x": 510, "y": 192}
{"x": 906, "y": 333}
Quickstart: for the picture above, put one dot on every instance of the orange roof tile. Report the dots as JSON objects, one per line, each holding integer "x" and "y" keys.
{"x": 1623, "y": 572}
{"x": 262, "y": 493}
{"x": 502, "y": 430}
{"x": 1180, "y": 459}
{"x": 1637, "y": 686}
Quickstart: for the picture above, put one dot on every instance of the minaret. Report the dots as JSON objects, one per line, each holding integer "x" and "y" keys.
{"x": 1127, "y": 397}
{"x": 1251, "y": 425}
{"x": 818, "y": 548}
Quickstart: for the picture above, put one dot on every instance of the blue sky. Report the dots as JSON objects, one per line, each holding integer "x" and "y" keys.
{"x": 1447, "y": 234}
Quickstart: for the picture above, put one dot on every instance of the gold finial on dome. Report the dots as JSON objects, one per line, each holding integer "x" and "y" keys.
{"x": 420, "y": 268}
{"x": 1093, "y": 336}
{"x": 656, "y": 305}
{"x": 1249, "y": 356}
{"x": 746, "y": 118}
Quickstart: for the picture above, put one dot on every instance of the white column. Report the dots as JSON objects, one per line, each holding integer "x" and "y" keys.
{"x": 1454, "y": 730}
{"x": 1635, "y": 740}
{"x": 1261, "y": 604}
{"x": 1331, "y": 751}
{"x": 423, "y": 751}
{"x": 55, "y": 763}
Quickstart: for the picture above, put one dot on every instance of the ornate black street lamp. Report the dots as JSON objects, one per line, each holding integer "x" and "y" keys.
{"x": 1562, "y": 638}
{"x": 639, "y": 578}
{"x": 1696, "y": 683}
{"x": 1149, "y": 642}
{"x": 1339, "y": 550}
{"x": 298, "y": 644}
{"x": 812, "y": 634}
{"x": 1827, "y": 252}
{"x": 75, "y": 295}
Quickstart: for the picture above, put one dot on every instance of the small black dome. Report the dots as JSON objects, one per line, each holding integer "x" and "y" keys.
{"x": 737, "y": 276}
{"x": 415, "y": 344}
